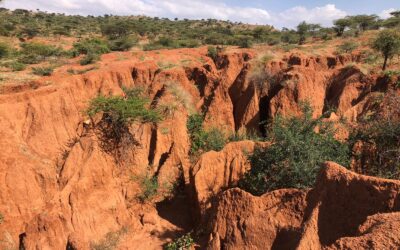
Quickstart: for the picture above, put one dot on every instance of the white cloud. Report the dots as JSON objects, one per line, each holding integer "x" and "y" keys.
{"x": 321, "y": 15}
{"x": 194, "y": 9}
{"x": 386, "y": 13}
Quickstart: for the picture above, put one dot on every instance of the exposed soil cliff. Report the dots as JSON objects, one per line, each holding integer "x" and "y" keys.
{"x": 60, "y": 188}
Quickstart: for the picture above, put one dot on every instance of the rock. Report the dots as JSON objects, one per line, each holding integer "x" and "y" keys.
{"x": 344, "y": 210}
{"x": 217, "y": 171}
{"x": 341, "y": 202}
{"x": 243, "y": 221}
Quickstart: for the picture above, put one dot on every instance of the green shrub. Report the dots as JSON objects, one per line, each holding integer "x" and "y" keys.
{"x": 39, "y": 49}
{"x": 94, "y": 46}
{"x": 212, "y": 52}
{"x": 204, "y": 140}
{"x": 110, "y": 240}
{"x": 123, "y": 43}
{"x": 347, "y": 47}
{"x": 188, "y": 43}
{"x": 89, "y": 59}
{"x": 214, "y": 139}
{"x": 15, "y": 66}
{"x": 32, "y": 53}
{"x": 124, "y": 110}
{"x": 195, "y": 128}
{"x": 42, "y": 71}
{"x": 149, "y": 188}
{"x": 243, "y": 136}
{"x": 380, "y": 135}
{"x": 117, "y": 114}
{"x": 183, "y": 243}
{"x": 294, "y": 158}
{"x": 242, "y": 42}
{"x": 4, "y": 50}
{"x": 116, "y": 29}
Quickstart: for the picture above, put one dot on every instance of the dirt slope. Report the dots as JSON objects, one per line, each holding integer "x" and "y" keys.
{"x": 60, "y": 189}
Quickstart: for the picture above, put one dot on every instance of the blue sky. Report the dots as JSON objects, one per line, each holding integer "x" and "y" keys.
{"x": 280, "y": 13}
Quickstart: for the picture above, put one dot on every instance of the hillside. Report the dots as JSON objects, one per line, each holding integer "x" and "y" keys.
{"x": 214, "y": 146}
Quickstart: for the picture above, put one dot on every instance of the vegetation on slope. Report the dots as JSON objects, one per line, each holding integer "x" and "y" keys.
{"x": 295, "y": 157}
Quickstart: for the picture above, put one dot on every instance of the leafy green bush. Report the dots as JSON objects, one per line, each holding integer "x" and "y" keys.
{"x": 384, "y": 136}
{"x": 4, "y": 50}
{"x": 117, "y": 114}
{"x": 42, "y": 71}
{"x": 242, "y": 42}
{"x": 149, "y": 187}
{"x": 347, "y": 47}
{"x": 15, "y": 66}
{"x": 212, "y": 52}
{"x": 294, "y": 158}
{"x": 124, "y": 110}
{"x": 195, "y": 128}
{"x": 91, "y": 46}
{"x": 183, "y": 243}
{"x": 380, "y": 136}
{"x": 116, "y": 29}
{"x": 40, "y": 49}
{"x": 123, "y": 43}
{"x": 89, "y": 59}
{"x": 32, "y": 53}
{"x": 204, "y": 140}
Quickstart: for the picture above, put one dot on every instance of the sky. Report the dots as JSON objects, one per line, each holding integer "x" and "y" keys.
{"x": 280, "y": 13}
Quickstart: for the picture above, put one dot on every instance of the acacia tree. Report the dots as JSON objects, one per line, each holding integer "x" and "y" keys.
{"x": 304, "y": 28}
{"x": 341, "y": 25}
{"x": 364, "y": 22}
{"x": 388, "y": 44}
{"x": 393, "y": 21}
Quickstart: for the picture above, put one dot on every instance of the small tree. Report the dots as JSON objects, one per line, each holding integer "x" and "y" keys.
{"x": 395, "y": 13}
{"x": 305, "y": 28}
{"x": 388, "y": 44}
{"x": 364, "y": 22}
{"x": 302, "y": 30}
{"x": 341, "y": 25}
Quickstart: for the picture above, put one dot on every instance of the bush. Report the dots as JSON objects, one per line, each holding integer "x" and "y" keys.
{"x": 89, "y": 59}
{"x": 212, "y": 52}
{"x": 16, "y": 66}
{"x": 242, "y": 42}
{"x": 4, "y": 50}
{"x": 42, "y": 71}
{"x": 380, "y": 136}
{"x": 293, "y": 160}
{"x": 124, "y": 110}
{"x": 123, "y": 43}
{"x": 214, "y": 139}
{"x": 183, "y": 243}
{"x": 110, "y": 240}
{"x": 32, "y": 53}
{"x": 347, "y": 47}
{"x": 195, "y": 128}
{"x": 1, "y": 218}
{"x": 93, "y": 46}
{"x": 149, "y": 187}
{"x": 39, "y": 49}
{"x": 204, "y": 140}
{"x": 117, "y": 114}
{"x": 384, "y": 137}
